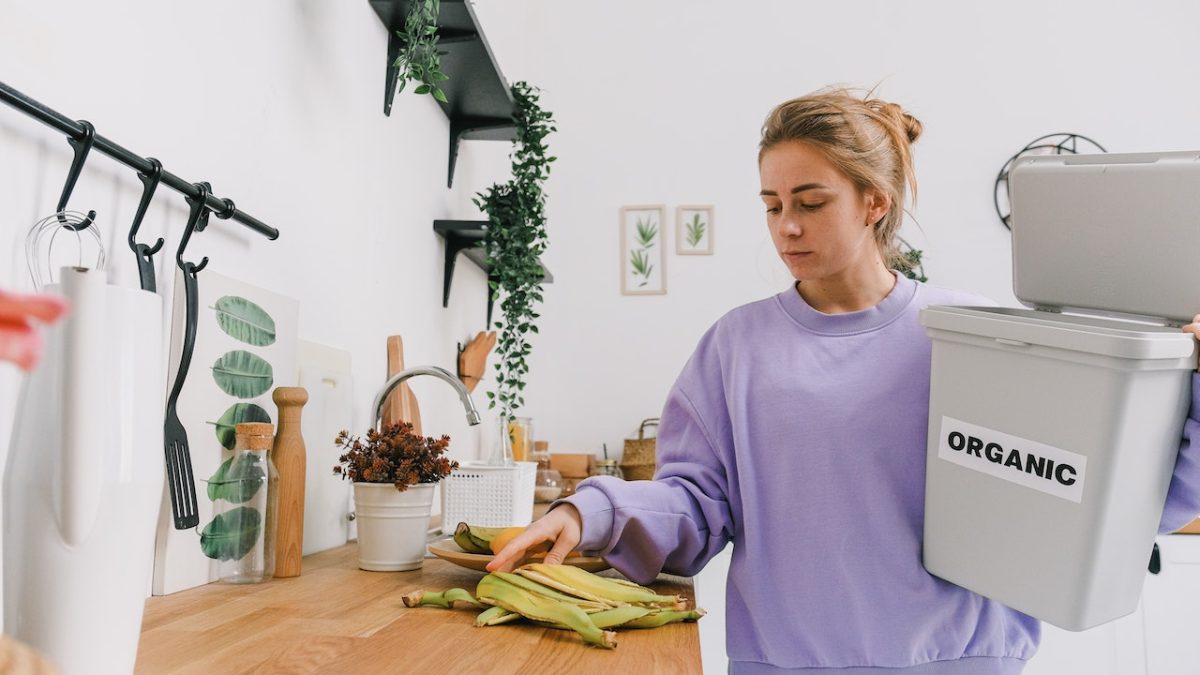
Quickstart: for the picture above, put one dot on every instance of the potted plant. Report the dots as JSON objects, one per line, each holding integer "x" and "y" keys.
{"x": 394, "y": 473}
{"x": 515, "y": 240}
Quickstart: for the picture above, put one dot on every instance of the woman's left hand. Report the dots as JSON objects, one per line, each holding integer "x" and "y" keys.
{"x": 19, "y": 340}
{"x": 1194, "y": 329}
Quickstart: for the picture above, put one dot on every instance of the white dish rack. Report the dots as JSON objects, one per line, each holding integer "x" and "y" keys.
{"x": 488, "y": 496}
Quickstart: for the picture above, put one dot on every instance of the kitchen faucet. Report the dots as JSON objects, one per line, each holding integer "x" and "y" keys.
{"x": 440, "y": 373}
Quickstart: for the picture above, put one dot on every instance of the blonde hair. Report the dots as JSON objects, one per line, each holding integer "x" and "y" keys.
{"x": 867, "y": 139}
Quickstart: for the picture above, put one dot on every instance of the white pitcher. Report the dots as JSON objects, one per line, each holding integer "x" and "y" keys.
{"x": 84, "y": 480}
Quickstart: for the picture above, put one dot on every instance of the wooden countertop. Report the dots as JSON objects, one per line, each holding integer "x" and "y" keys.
{"x": 336, "y": 618}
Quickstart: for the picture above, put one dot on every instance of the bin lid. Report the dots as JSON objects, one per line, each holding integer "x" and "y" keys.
{"x": 1095, "y": 335}
{"x": 1114, "y": 234}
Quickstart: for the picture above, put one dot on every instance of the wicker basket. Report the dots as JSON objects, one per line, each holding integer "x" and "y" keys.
{"x": 488, "y": 496}
{"x": 638, "y": 458}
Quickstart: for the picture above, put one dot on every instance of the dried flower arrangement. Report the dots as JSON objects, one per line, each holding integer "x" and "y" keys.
{"x": 394, "y": 455}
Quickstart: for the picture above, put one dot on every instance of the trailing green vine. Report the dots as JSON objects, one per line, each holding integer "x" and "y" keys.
{"x": 419, "y": 59}
{"x": 516, "y": 239}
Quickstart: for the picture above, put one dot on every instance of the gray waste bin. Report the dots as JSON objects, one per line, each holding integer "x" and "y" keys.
{"x": 1053, "y": 436}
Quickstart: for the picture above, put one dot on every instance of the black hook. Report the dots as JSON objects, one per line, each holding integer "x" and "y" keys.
{"x": 197, "y": 216}
{"x": 82, "y": 146}
{"x": 224, "y": 214}
{"x": 143, "y": 252}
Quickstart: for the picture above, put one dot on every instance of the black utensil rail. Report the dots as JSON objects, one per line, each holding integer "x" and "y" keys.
{"x": 76, "y": 131}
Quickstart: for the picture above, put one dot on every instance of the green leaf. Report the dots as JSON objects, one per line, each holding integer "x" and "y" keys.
{"x": 440, "y": 95}
{"x": 243, "y": 320}
{"x": 238, "y": 479}
{"x": 646, "y": 231}
{"x": 232, "y": 534}
{"x": 695, "y": 230}
{"x": 237, "y": 414}
{"x": 423, "y": 89}
{"x": 242, "y": 374}
{"x": 640, "y": 262}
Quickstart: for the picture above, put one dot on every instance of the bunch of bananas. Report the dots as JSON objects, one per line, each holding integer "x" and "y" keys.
{"x": 561, "y": 596}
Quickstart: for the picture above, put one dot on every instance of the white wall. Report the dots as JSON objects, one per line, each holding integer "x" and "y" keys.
{"x": 279, "y": 106}
{"x": 662, "y": 102}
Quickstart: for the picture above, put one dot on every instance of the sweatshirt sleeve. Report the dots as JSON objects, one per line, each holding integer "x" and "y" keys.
{"x": 674, "y": 523}
{"x": 1183, "y": 496}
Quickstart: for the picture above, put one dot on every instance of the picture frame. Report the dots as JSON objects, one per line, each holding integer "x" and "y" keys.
{"x": 643, "y": 249}
{"x": 694, "y": 229}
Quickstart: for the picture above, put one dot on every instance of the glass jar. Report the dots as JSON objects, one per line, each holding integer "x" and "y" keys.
{"x": 609, "y": 467}
{"x": 242, "y": 532}
{"x": 548, "y": 486}
{"x": 520, "y": 433}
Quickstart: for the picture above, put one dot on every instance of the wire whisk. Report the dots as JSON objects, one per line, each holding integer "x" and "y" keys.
{"x": 39, "y": 261}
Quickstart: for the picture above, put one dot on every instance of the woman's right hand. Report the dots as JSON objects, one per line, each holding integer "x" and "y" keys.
{"x": 562, "y": 526}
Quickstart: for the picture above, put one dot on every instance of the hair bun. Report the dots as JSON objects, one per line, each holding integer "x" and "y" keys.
{"x": 912, "y": 126}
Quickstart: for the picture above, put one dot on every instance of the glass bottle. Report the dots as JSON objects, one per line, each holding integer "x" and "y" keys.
{"x": 541, "y": 454}
{"x": 243, "y": 523}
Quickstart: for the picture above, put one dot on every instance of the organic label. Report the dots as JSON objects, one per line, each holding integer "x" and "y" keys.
{"x": 1017, "y": 460}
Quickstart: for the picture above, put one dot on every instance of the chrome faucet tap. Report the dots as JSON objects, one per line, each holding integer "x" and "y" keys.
{"x": 440, "y": 373}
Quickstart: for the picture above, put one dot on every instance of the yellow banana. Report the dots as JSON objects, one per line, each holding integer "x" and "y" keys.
{"x": 475, "y": 539}
{"x": 496, "y": 591}
{"x": 584, "y": 584}
{"x": 445, "y": 599}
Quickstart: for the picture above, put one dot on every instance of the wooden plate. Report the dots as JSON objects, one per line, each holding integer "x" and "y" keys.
{"x": 449, "y": 551}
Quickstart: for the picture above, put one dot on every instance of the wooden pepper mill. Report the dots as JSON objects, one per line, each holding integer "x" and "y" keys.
{"x": 289, "y": 457}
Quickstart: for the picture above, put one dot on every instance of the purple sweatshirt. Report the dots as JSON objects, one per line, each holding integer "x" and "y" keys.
{"x": 801, "y": 437}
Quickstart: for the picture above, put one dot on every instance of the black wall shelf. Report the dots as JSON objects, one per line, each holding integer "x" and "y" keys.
{"x": 466, "y": 237}
{"x": 480, "y": 105}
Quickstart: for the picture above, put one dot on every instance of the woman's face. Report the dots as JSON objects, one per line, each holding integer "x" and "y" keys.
{"x": 821, "y": 224}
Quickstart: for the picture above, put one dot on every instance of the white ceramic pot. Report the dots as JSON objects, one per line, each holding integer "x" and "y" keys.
{"x": 84, "y": 480}
{"x": 392, "y": 525}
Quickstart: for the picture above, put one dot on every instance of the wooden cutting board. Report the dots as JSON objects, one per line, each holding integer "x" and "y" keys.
{"x": 401, "y": 404}
{"x": 325, "y": 373}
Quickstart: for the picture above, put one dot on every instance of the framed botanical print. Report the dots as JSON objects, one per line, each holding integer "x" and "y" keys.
{"x": 694, "y": 230}
{"x": 643, "y": 251}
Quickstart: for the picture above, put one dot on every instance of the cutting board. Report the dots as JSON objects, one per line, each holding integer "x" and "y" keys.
{"x": 401, "y": 405}
{"x": 325, "y": 373}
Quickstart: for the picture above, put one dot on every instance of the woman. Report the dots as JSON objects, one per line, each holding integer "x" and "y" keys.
{"x": 798, "y": 430}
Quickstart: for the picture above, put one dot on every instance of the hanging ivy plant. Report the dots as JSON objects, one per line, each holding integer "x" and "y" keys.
{"x": 515, "y": 241}
{"x": 419, "y": 59}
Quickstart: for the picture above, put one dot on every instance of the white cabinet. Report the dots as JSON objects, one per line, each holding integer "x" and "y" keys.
{"x": 1171, "y": 601}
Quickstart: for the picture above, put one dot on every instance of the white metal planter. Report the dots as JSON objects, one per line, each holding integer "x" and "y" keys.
{"x": 392, "y": 525}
